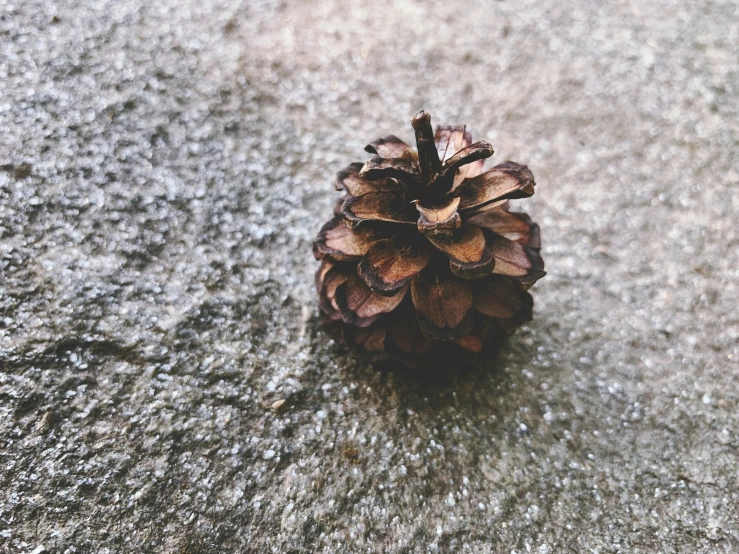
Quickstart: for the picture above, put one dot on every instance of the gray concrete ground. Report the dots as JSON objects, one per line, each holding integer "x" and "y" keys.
{"x": 165, "y": 166}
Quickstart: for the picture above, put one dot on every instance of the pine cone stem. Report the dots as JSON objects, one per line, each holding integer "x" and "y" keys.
{"x": 428, "y": 157}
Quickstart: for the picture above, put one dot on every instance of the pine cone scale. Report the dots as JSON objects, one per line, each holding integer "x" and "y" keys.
{"x": 391, "y": 147}
{"x": 392, "y": 263}
{"x": 348, "y": 179}
{"x": 401, "y": 169}
{"x": 515, "y": 259}
{"x": 360, "y": 305}
{"x": 442, "y": 305}
{"x": 440, "y": 221}
{"x": 499, "y": 298}
{"x": 464, "y": 247}
{"x": 378, "y": 206}
{"x": 492, "y": 186}
{"x": 511, "y": 225}
{"x": 328, "y": 278}
{"x": 450, "y": 139}
{"x": 337, "y": 241}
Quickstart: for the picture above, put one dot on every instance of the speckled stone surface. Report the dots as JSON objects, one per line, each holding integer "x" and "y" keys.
{"x": 164, "y": 167}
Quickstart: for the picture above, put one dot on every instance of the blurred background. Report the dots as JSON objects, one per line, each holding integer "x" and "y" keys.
{"x": 164, "y": 167}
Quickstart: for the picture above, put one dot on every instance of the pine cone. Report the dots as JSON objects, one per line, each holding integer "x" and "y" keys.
{"x": 423, "y": 259}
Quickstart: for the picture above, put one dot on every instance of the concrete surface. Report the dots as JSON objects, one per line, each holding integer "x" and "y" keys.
{"x": 165, "y": 166}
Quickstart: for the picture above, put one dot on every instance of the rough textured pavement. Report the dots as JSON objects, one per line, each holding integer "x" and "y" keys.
{"x": 164, "y": 167}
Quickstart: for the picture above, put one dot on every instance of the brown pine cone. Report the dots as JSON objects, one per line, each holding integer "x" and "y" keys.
{"x": 423, "y": 261}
